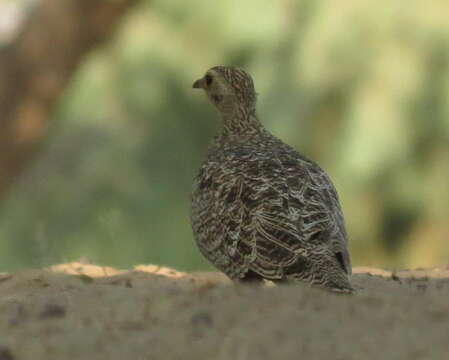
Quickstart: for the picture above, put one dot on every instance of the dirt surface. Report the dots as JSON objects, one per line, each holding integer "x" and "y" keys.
{"x": 79, "y": 311}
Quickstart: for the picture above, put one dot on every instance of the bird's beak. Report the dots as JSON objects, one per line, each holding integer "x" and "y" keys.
{"x": 199, "y": 84}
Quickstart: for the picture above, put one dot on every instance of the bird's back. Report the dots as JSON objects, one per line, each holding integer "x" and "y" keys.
{"x": 261, "y": 209}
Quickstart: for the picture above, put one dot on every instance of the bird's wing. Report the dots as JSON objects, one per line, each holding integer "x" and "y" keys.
{"x": 323, "y": 199}
{"x": 280, "y": 213}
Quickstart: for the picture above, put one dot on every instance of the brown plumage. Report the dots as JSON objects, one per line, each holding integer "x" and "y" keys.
{"x": 260, "y": 210}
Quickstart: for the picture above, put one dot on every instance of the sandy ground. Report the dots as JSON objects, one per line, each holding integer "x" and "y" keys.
{"x": 79, "y": 311}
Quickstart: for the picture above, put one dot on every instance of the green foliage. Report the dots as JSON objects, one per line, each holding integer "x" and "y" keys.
{"x": 360, "y": 87}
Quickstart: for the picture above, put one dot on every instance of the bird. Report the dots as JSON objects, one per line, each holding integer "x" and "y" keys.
{"x": 260, "y": 210}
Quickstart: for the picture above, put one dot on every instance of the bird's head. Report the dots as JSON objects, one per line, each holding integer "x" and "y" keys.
{"x": 230, "y": 89}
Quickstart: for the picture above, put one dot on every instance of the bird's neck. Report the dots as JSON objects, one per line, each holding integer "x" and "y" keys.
{"x": 241, "y": 123}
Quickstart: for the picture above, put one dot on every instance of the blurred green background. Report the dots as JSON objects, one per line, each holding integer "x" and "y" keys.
{"x": 361, "y": 87}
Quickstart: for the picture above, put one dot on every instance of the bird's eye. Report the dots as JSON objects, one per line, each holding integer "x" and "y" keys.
{"x": 209, "y": 79}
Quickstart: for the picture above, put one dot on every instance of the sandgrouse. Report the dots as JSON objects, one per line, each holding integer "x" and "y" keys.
{"x": 259, "y": 209}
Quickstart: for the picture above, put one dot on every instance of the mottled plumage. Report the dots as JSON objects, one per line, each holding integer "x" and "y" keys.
{"x": 260, "y": 210}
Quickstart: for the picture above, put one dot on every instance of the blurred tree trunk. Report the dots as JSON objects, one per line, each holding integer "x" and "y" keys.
{"x": 37, "y": 65}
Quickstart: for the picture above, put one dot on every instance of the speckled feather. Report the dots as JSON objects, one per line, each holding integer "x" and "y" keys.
{"x": 260, "y": 210}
